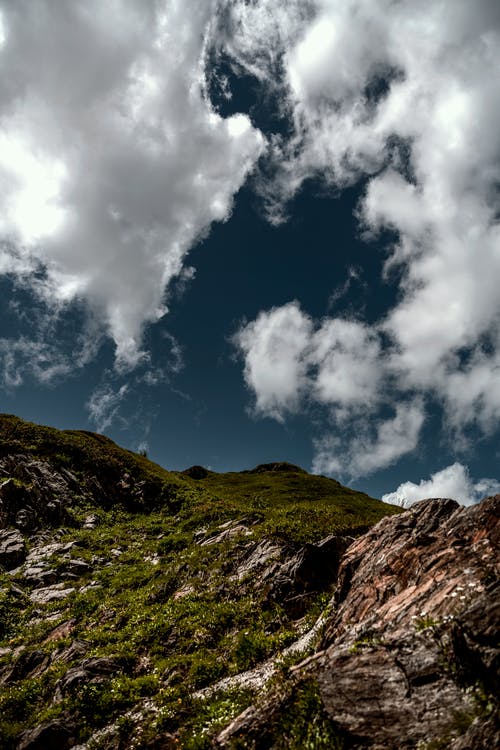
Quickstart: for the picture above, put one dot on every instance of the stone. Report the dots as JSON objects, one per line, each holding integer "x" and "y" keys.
{"x": 91, "y": 670}
{"x": 51, "y": 735}
{"x": 413, "y": 632}
{"x": 311, "y": 570}
{"x": 51, "y": 593}
{"x": 232, "y": 531}
{"x": 12, "y": 548}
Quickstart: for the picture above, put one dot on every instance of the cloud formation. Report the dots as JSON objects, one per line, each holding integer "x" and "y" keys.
{"x": 112, "y": 161}
{"x": 404, "y": 96}
{"x": 454, "y": 481}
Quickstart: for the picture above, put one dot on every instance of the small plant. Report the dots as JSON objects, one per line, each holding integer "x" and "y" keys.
{"x": 368, "y": 640}
{"x": 304, "y": 723}
{"x": 425, "y": 621}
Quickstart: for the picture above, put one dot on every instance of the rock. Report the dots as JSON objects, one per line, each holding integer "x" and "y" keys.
{"x": 91, "y": 521}
{"x": 24, "y": 666}
{"x": 481, "y": 734}
{"x": 412, "y": 636}
{"x": 39, "y": 575}
{"x": 87, "y": 671}
{"x": 76, "y": 650}
{"x": 61, "y": 631}
{"x": 311, "y": 570}
{"x": 77, "y": 567}
{"x": 50, "y": 593}
{"x": 263, "y": 554}
{"x": 33, "y": 494}
{"x": 230, "y": 532}
{"x": 12, "y": 548}
{"x": 51, "y": 735}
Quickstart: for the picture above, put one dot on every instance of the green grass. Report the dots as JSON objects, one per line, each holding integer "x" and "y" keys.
{"x": 166, "y": 608}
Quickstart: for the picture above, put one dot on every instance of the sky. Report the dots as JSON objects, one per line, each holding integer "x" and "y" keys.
{"x": 242, "y": 231}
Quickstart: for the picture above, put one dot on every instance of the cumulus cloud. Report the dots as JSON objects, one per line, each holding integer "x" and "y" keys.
{"x": 275, "y": 366}
{"x": 290, "y": 360}
{"x": 404, "y": 96}
{"x": 454, "y": 481}
{"x": 293, "y": 363}
{"x": 112, "y": 161}
{"x": 370, "y": 447}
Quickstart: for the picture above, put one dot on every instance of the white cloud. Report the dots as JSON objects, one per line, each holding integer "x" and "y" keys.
{"x": 367, "y": 449}
{"x": 346, "y": 354}
{"x": 289, "y": 360}
{"x": 405, "y": 95}
{"x": 292, "y": 364}
{"x": 104, "y": 404}
{"x": 112, "y": 162}
{"x": 275, "y": 366}
{"x": 453, "y": 481}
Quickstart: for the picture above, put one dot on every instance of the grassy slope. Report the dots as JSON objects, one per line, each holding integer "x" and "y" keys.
{"x": 164, "y": 606}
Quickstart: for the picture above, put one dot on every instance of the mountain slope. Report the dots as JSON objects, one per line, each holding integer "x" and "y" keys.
{"x": 127, "y": 590}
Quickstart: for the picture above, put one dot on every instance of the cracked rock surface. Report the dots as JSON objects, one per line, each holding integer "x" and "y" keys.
{"x": 411, "y": 647}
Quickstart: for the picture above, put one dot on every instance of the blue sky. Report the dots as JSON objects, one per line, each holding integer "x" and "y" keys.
{"x": 235, "y": 233}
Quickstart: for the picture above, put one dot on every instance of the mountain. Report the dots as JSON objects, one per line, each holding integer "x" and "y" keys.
{"x": 269, "y": 608}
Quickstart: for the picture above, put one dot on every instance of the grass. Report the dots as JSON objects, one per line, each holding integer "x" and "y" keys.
{"x": 165, "y": 607}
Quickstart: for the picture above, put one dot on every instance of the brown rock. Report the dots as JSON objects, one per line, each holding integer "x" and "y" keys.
{"x": 412, "y": 642}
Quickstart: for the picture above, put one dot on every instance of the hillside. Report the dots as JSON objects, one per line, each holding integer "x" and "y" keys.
{"x": 126, "y": 583}
{"x": 268, "y": 608}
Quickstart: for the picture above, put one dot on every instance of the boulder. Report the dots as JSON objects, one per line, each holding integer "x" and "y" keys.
{"x": 51, "y": 735}
{"x": 51, "y": 593}
{"x": 91, "y": 670}
{"x": 12, "y": 548}
{"x": 311, "y": 570}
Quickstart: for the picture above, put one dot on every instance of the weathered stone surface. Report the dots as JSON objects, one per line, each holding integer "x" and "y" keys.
{"x": 87, "y": 671}
{"x": 412, "y": 638}
{"x": 51, "y": 593}
{"x": 24, "y": 666}
{"x": 232, "y": 530}
{"x": 51, "y": 735}
{"x": 12, "y": 548}
{"x": 311, "y": 570}
{"x": 33, "y": 493}
{"x": 258, "y": 559}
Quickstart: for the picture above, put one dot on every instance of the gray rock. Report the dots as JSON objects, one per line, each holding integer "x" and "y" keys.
{"x": 264, "y": 553}
{"x": 76, "y": 567}
{"x": 51, "y": 735}
{"x": 91, "y": 521}
{"x": 50, "y": 593}
{"x": 12, "y": 548}
{"x": 39, "y": 575}
{"x": 92, "y": 670}
{"x": 228, "y": 533}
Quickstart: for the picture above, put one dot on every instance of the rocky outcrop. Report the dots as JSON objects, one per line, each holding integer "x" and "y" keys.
{"x": 51, "y": 735}
{"x": 409, "y": 656}
{"x": 12, "y": 548}
{"x": 34, "y": 494}
{"x": 311, "y": 570}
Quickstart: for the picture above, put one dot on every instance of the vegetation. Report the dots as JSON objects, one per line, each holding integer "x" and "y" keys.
{"x": 170, "y": 612}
